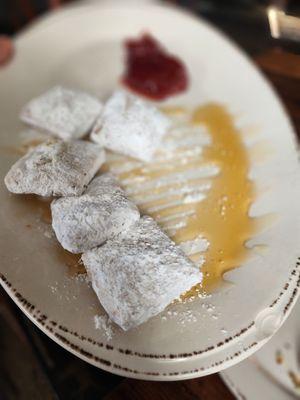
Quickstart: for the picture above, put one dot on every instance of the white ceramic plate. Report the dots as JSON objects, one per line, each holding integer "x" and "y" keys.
{"x": 271, "y": 373}
{"x": 82, "y": 48}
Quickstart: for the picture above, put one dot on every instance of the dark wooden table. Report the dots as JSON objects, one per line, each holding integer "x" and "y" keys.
{"x": 34, "y": 367}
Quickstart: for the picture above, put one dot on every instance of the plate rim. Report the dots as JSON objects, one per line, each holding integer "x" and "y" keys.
{"x": 55, "y": 333}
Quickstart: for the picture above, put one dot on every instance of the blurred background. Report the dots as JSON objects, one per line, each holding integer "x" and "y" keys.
{"x": 14, "y": 14}
{"x": 34, "y": 367}
{"x": 245, "y": 20}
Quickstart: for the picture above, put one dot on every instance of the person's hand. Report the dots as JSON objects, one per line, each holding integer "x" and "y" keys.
{"x": 6, "y": 49}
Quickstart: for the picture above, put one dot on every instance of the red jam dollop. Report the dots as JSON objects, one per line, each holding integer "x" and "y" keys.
{"x": 151, "y": 71}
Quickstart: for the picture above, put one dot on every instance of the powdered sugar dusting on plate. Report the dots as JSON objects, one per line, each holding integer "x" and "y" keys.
{"x": 103, "y": 323}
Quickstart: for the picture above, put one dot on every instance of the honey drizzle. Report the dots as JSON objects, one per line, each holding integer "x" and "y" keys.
{"x": 23, "y": 149}
{"x": 72, "y": 261}
{"x": 222, "y": 216}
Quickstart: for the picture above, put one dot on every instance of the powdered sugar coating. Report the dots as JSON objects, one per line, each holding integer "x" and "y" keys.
{"x": 130, "y": 126}
{"x": 137, "y": 274}
{"x": 56, "y": 168}
{"x": 68, "y": 114}
{"x": 102, "y": 212}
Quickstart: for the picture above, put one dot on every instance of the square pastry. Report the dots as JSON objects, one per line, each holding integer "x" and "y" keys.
{"x": 138, "y": 273}
{"x": 68, "y": 114}
{"x": 102, "y": 212}
{"x": 56, "y": 168}
{"x": 130, "y": 126}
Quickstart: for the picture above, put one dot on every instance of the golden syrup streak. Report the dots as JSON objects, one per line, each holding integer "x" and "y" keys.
{"x": 22, "y": 149}
{"x": 222, "y": 217}
{"x": 72, "y": 261}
